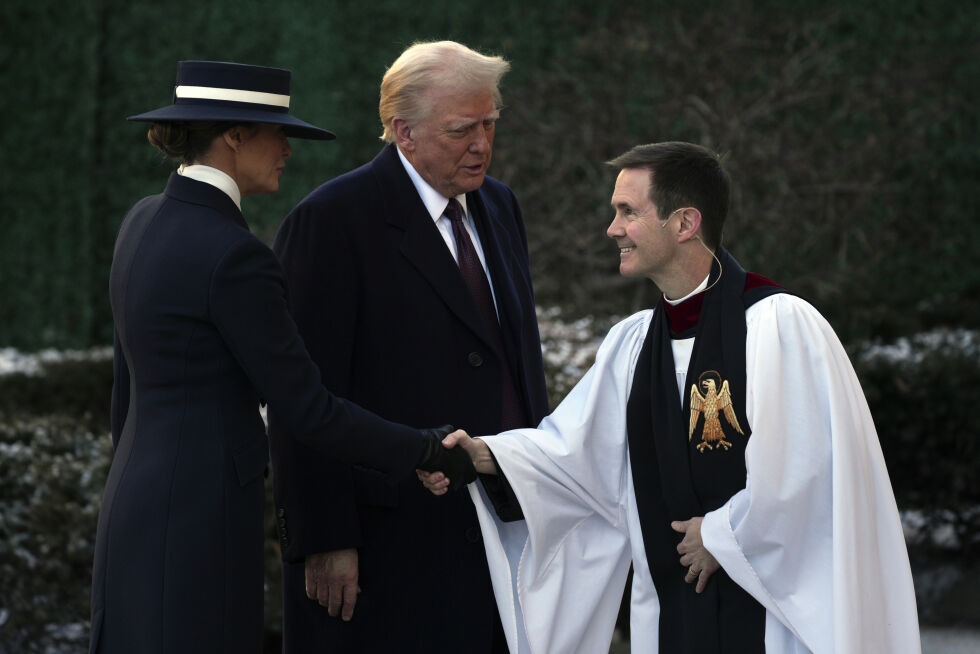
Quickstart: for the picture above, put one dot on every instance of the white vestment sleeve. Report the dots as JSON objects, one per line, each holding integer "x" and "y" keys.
{"x": 559, "y": 575}
{"x": 815, "y": 536}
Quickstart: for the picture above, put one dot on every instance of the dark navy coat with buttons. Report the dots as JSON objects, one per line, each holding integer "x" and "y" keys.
{"x": 202, "y": 335}
{"x": 382, "y": 306}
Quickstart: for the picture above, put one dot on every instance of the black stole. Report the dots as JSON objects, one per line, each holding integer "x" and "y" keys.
{"x": 674, "y": 480}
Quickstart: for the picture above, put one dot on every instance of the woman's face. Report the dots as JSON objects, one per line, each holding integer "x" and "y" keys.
{"x": 261, "y": 159}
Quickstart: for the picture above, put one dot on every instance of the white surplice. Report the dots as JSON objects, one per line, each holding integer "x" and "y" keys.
{"x": 814, "y": 536}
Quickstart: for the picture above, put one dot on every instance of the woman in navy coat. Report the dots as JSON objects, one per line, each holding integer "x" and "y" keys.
{"x": 203, "y": 337}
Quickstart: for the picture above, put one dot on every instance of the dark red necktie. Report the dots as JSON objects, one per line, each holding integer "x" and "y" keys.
{"x": 512, "y": 415}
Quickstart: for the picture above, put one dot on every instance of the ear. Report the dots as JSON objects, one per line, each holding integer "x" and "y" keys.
{"x": 690, "y": 224}
{"x": 403, "y": 134}
{"x": 234, "y": 137}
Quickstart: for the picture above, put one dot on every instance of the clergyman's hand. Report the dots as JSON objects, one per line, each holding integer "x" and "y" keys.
{"x": 454, "y": 463}
{"x": 331, "y": 579}
{"x": 699, "y": 561}
{"x": 476, "y": 448}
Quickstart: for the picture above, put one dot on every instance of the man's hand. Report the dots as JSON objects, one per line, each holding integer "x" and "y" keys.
{"x": 439, "y": 455}
{"x": 438, "y": 483}
{"x": 699, "y": 561}
{"x": 331, "y": 579}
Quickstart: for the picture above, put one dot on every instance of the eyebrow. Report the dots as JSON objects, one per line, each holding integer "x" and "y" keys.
{"x": 465, "y": 124}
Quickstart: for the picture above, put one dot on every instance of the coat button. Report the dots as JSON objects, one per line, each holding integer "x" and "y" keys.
{"x": 474, "y": 359}
{"x": 473, "y": 534}
{"x": 281, "y": 512}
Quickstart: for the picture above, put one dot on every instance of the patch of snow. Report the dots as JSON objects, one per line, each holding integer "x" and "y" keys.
{"x": 915, "y": 348}
{"x": 13, "y": 361}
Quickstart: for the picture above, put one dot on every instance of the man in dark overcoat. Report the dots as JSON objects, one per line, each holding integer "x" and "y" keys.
{"x": 409, "y": 280}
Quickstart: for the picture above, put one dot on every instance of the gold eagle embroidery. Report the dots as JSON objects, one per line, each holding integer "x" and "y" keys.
{"x": 709, "y": 404}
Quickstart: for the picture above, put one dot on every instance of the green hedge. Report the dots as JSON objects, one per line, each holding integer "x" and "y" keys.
{"x": 52, "y": 472}
{"x": 55, "y": 452}
{"x": 850, "y": 128}
{"x": 922, "y": 394}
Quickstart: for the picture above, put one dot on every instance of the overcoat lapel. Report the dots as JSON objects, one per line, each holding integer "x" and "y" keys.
{"x": 421, "y": 242}
{"x": 498, "y": 251}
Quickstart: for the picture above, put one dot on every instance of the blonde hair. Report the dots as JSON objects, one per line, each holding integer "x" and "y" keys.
{"x": 429, "y": 65}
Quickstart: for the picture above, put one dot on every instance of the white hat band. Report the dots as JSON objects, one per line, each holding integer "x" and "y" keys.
{"x": 232, "y": 95}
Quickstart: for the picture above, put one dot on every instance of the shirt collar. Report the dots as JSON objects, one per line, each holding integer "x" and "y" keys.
{"x": 703, "y": 285}
{"x": 214, "y": 177}
{"x": 434, "y": 201}
{"x": 683, "y": 314}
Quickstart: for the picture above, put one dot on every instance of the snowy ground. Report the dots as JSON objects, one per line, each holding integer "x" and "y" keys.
{"x": 570, "y": 346}
{"x": 13, "y": 361}
{"x": 950, "y": 641}
{"x": 934, "y": 641}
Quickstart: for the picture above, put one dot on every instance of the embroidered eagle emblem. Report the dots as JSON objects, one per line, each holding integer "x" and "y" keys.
{"x": 710, "y": 404}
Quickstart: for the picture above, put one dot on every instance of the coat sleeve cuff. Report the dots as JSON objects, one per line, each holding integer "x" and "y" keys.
{"x": 501, "y": 495}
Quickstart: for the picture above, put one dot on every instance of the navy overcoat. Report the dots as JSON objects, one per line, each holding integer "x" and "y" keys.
{"x": 202, "y": 335}
{"x": 382, "y": 306}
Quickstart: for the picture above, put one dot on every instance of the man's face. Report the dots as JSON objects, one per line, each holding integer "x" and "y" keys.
{"x": 451, "y": 148}
{"x": 645, "y": 246}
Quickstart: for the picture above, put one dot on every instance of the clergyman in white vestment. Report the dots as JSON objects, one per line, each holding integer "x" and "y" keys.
{"x": 799, "y": 547}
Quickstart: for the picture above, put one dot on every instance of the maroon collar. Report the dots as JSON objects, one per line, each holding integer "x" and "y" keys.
{"x": 684, "y": 316}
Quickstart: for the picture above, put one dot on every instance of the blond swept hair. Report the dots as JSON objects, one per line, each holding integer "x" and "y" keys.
{"x": 429, "y": 65}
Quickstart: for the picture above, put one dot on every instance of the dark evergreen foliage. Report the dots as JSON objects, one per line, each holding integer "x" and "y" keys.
{"x": 850, "y": 130}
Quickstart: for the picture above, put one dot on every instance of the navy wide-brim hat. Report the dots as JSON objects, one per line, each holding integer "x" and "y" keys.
{"x": 219, "y": 91}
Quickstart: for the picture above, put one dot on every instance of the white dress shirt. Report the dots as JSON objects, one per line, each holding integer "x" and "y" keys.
{"x": 435, "y": 202}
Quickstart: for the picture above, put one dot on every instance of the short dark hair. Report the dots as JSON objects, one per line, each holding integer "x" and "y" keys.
{"x": 684, "y": 174}
{"x": 187, "y": 141}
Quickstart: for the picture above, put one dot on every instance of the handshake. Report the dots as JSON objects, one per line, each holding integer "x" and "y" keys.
{"x": 443, "y": 466}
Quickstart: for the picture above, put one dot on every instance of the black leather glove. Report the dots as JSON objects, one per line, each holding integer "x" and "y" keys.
{"x": 455, "y": 463}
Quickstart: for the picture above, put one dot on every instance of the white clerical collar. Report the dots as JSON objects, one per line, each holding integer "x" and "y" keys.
{"x": 435, "y": 202}
{"x": 703, "y": 285}
{"x": 217, "y": 178}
